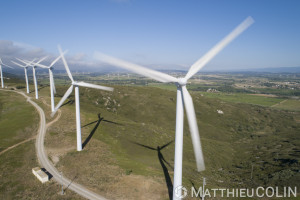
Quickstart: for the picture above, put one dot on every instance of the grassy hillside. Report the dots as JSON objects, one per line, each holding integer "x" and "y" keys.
{"x": 17, "y": 180}
{"x": 18, "y": 122}
{"x": 243, "y": 136}
{"x": 17, "y": 119}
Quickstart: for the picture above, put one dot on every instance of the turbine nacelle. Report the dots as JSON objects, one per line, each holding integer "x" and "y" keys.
{"x": 182, "y": 82}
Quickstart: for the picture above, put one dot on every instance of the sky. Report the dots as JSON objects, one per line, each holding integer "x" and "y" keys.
{"x": 160, "y": 34}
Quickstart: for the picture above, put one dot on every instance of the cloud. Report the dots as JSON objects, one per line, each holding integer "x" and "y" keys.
{"x": 10, "y": 50}
{"x": 79, "y": 56}
{"x": 7, "y": 48}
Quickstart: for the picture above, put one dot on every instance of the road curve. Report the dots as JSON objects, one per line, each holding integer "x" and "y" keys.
{"x": 43, "y": 158}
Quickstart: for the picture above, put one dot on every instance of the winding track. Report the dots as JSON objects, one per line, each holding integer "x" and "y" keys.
{"x": 43, "y": 158}
{"x": 15, "y": 145}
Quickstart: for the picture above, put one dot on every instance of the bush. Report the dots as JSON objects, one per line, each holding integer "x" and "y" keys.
{"x": 20, "y": 87}
{"x": 128, "y": 171}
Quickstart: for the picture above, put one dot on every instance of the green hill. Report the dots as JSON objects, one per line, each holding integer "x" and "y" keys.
{"x": 243, "y": 136}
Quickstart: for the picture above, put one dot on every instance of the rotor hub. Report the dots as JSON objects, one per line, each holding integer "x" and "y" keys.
{"x": 182, "y": 81}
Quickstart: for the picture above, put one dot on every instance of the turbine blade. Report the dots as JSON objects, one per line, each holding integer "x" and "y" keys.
{"x": 42, "y": 59}
{"x": 218, "y": 47}
{"x": 18, "y": 64}
{"x": 27, "y": 62}
{"x": 65, "y": 63}
{"x": 40, "y": 65}
{"x": 191, "y": 116}
{"x": 159, "y": 76}
{"x": 63, "y": 99}
{"x": 57, "y": 58}
{"x": 89, "y": 85}
{"x": 21, "y": 60}
{"x": 30, "y": 63}
{"x": 7, "y": 66}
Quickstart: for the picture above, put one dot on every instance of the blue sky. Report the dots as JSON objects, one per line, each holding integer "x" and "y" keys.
{"x": 159, "y": 33}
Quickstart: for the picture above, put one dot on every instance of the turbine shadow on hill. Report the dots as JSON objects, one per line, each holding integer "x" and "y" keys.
{"x": 162, "y": 162}
{"x": 42, "y": 86}
{"x": 104, "y": 120}
{"x": 100, "y": 119}
{"x": 68, "y": 102}
{"x": 196, "y": 188}
{"x": 92, "y": 132}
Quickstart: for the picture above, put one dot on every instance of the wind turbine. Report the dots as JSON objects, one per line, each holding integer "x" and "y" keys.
{"x": 77, "y": 103}
{"x": 162, "y": 161}
{"x": 34, "y": 74}
{"x": 52, "y": 85}
{"x": 25, "y": 70}
{"x": 1, "y": 63}
{"x": 183, "y": 99}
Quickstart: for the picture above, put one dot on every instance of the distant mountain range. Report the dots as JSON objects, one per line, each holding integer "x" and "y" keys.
{"x": 263, "y": 70}
{"x": 257, "y": 70}
{"x": 279, "y": 70}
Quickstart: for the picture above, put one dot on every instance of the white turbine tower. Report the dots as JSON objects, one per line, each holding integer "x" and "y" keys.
{"x": 34, "y": 74}
{"x": 183, "y": 99}
{"x": 1, "y": 63}
{"x": 77, "y": 103}
{"x": 25, "y": 71}
{"x": 52, "y": 84}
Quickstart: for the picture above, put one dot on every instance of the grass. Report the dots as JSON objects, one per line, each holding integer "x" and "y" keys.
{"x": 18, "y": 120}
{"x": 249, "y": 132}
{"x": 279, "y": 92}
{"x": 231, "y": 142}
{"x": 17, "y": 180}
{"x": 170, "y": 86}
{"x": 231, "y": 97}
{"x": 244, "y": 98}
{"x": 290, "y": 104}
